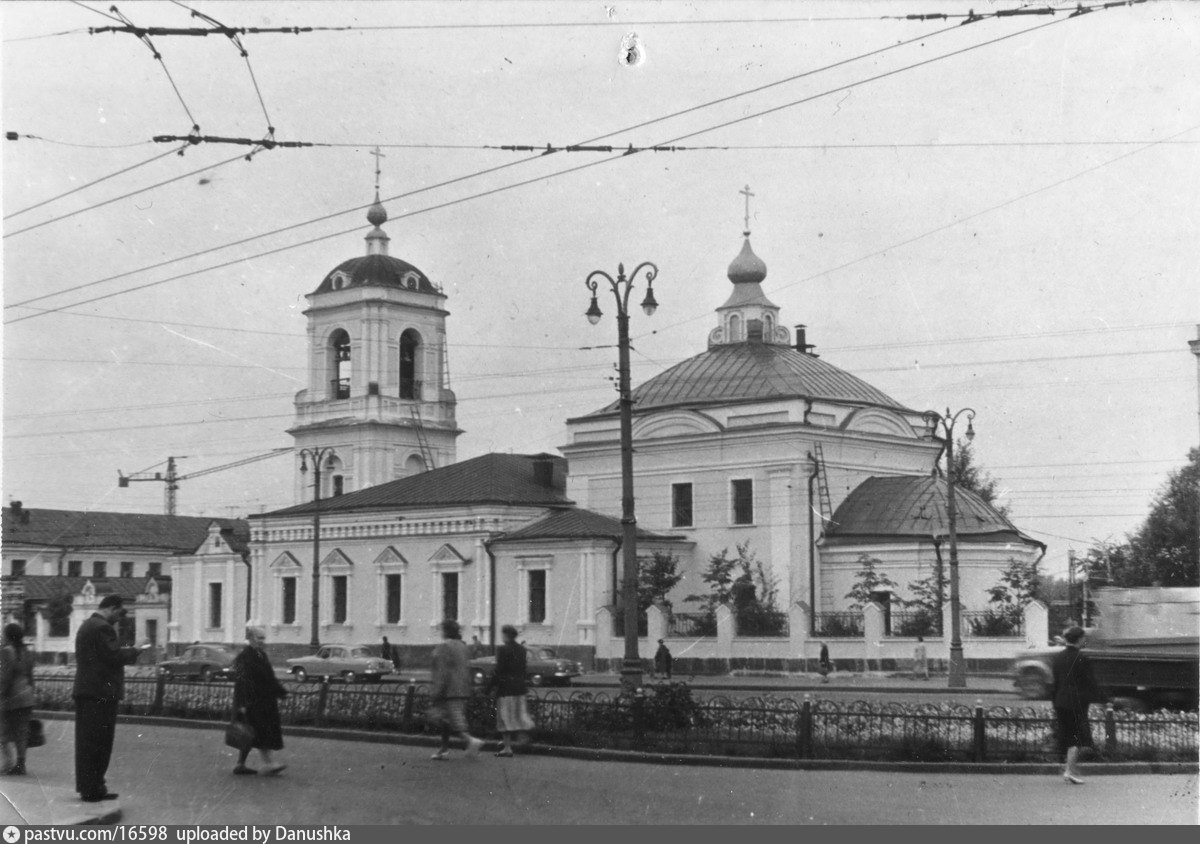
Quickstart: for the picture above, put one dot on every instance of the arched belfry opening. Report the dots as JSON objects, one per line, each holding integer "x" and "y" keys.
{"x": 410, "y": 384}
{"x": 339, "y": 365}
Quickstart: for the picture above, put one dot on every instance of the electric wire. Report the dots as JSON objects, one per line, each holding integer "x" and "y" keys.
{"x": 128, "y": 195}
{"x": 91, "y": 183}
{"x": 13, "y": 136}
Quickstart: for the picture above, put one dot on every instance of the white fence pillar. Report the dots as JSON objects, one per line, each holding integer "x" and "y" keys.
{"x": 604, "y": 629}
{"x": 799, "y": 620}
{"x": 873, "y": 633}
{"x": 725, "y": 630}
{"x": 656, "y": 624}
{"x": 1037, "y": 624}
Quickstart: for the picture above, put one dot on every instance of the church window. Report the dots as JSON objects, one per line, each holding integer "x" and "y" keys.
{"x": 392, "y": 598}
{"x": 768, "y": 328}
{"x": 126, "y": 569}
{"x": 339, "y": 485}
{"x": 414, "y": 465}
{"x": 339, "y": 598}
{"x": 735, "y": 328}
{"x": 450, "y": 596}
{"x": 537, "y": 596}
{"x": 99, "y": 569}
{"x": 742, "y": 491}
{"x": 154, "y": 569}
{"x": 214, "y": 604}
{"x": 339, "y": 377}
{"x": 681, "y": 505}
{"x": 289, "y": 600}
{"x": 75, "y": 568}
{"x": 410, "y": 387}
{"x": 18, "y": 568}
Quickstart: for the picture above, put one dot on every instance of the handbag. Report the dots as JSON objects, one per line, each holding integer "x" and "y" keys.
{"x": 37, "y": 733}
{"x": 239, "y": 735}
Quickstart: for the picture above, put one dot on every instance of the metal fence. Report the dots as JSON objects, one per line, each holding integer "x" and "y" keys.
{"x": 667, "y": 719}
{"x": 992, "y": 623}
{"x": 838, "y": 624}
{"x": 618, "y": 620}
{"x": 914, "y": 623}
{"x": 763, "y": 624}
{"x": 697, "y": 625}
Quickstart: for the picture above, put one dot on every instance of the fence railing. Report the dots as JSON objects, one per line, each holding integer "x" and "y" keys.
{"x": 761, "y": 624}
{"x": 914, "y": 623}
{"x": 992, "y": 623}
{"x": 697, "y": 625}
{"x": 838, "y": 624}
{"x": 667, "y": 719}
{"x": 619, "y": 623}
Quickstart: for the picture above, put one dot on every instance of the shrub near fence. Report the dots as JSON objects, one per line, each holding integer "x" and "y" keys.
{"x": 666, "y": 718}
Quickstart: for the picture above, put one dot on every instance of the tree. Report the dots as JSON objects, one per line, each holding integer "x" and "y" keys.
{"x": 1165, "y": 550}
{"x": 1019, "y": 583}
{"x": 869, "y": 581}
{"x": 968, "y": 476}
{"x": 742, "y": 582}
{"x": 58, "y": 614}
{"x": 658, "y": 574}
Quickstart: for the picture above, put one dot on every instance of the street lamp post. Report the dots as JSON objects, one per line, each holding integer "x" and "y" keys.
{"x": 317, "y": 456}
{"x": 631, "y": 668}
{"x": 958, "y": 668}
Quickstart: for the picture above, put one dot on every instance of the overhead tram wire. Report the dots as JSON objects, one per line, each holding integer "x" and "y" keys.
{"x": 16, "y": 136}
{"x": 145, "y": 39}
{"x": 91, "y": 183}
{"x": 541, "y": 178}
{"x": 445, "y": 183}
{"x": 127, "y": 195}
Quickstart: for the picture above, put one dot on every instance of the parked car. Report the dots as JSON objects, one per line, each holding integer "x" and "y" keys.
{"x": 206, "y": 661}
{"x": 349, "y": 662}
{"x": 542, "y": 667}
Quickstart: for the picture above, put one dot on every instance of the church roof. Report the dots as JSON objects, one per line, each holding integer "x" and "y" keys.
{"x": 577, "y": 524}
{"x": 94, "y": 529}
{"x": 532, "y": 480}
{"x": 377, "y": 271}
{"x": 42, "y": 587}
{"x": 746, "y": 372}
{"x": 915, "y": 506}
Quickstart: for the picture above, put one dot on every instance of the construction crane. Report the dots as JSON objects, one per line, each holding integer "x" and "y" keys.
{"x": 172, "y": 479}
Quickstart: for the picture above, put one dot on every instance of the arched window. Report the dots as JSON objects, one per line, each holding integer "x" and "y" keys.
{"x": 339, "y": 365}
{"x": 735, "y": 328}
{"x": 768, "y": 328}
{"x": 414, "y": 465}
{"x": 410, "y": 387}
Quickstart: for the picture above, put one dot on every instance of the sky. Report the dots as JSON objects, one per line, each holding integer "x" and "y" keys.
{"x": 1001, "y": 215}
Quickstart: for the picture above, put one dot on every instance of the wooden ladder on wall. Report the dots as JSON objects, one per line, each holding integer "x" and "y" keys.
{"x": 823, "y": 484}
{"x": 419, "y": 427}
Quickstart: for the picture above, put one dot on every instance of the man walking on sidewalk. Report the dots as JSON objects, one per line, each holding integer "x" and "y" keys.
{"x": 99, "y": 684}
{"x": 451, "y": 689}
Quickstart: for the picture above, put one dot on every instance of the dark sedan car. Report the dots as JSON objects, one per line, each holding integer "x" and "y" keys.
{"x": 208, "y": 662}
{"x": 542, "y": 667}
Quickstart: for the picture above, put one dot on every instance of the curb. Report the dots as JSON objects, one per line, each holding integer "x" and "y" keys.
{"x": 692, "y": 760}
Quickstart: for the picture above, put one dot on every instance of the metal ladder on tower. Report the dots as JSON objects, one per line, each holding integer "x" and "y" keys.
{"x": 823, "y": 484}
{"x": 419, "y": 427}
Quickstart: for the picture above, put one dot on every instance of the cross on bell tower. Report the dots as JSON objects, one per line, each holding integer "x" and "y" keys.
{"x": 746, "y": 193}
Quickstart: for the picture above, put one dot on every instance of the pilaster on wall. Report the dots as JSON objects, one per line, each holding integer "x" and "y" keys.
{"x": 799, "y": 623}
{"x": 1037, "y": 624}
{"x": 725, "y": 631}
{"x": 604, "y": 640}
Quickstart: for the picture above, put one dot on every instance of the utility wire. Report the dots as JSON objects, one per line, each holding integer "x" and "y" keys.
{"x": 127, "y": 195}
{"x": 14, "y": 136}
{"x": 145, "y": 39}
{"x": 100, "y": 13}
{"x": 90, "y": 184}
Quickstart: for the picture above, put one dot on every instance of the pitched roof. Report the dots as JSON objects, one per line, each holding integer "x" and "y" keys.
{"x": 577, "y": 524}
{"x": 40, "y": 587}
{"x": 741, "y": 372}
{"x": 915, "y": 506}
{"x": 532, "y": 480}
{"x": 94, "y": 529}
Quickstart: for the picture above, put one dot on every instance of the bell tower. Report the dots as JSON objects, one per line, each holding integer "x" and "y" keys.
{"x": 378, "y": 405}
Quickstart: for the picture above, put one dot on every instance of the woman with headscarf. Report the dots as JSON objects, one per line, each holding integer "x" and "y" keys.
{"x": 16, "y": 697}
{"x": 256, "y": 693}
{"x": 1075, "y": 690}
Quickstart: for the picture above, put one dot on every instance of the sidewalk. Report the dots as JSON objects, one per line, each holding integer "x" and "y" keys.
{"x": 33, "y": 803}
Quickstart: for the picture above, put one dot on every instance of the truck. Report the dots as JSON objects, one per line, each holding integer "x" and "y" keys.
{"x": 1144, "y": 648}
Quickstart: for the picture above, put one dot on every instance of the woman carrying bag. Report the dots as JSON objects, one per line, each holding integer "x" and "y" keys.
{"x": 256, "y": 693}
{"x": 16, "y": 695}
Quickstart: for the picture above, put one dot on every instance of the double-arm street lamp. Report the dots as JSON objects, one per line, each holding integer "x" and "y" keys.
{"x": 958, "y": 668}
{"x": 318, "y": 456}
{"x": 631, "y": 668}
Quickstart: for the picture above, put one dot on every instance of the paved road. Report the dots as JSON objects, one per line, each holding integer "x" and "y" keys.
{"x": 182, "y": 776}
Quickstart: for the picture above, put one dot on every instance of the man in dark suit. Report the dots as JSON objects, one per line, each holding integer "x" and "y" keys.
{"x": 99, "y": 684}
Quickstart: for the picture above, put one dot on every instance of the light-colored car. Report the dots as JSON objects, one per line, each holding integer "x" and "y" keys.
{"x": 348, "y": 662}
{"x": 206, "y": 661}
{"x": 1032, "y": 674}
{"x": 542, "y": 667}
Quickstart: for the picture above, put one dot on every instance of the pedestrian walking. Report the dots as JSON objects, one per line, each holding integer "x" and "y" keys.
{"x": 451, "y": 686}
{"x": 99, "y": 685}
{"x": 512, "y": 714}
{"x": 16, "y": 698}
{"x": 824, "y": 666}
{"x": 662, "y": 660}
{"x": 1075, "y": 690}
{"x": 476, "y": 649}
{"x": 920, "y": 660}
{"x": 386, "y": 651}
{"x": 256, "y": 694}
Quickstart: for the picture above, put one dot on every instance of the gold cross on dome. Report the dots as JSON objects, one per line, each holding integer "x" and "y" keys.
{"x": 378, "y": 155}
{"x": 746, "y": 193}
